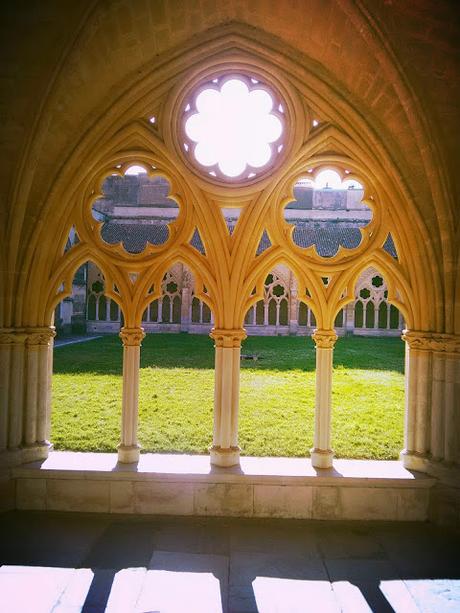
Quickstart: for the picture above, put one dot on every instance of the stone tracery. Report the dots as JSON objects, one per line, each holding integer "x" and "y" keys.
{"x": 236, "y": 254}
{"x": 228, "y": 269}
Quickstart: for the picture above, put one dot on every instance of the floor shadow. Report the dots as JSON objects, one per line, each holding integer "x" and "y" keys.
{"x": 244, "y": 564}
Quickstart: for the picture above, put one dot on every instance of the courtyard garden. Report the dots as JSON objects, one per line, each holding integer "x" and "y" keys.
{"x": 277, "y": 396}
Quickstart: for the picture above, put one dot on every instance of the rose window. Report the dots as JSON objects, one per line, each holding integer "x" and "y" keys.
{"x": 234, "y": 128}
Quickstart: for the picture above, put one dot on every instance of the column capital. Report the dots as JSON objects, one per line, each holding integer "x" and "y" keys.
{"x": 13, "y": 336}
{"x": 324, "y": 339}
{"x": 228, "y": 338}
{"x": 29, "y": 336}
{"x": 132, "y": 337}
{"x": 432, "y": 341}
{"x": 40, "y": 336}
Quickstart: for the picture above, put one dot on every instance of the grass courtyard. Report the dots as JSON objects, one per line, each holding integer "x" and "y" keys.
{"x": 277, "y": 396}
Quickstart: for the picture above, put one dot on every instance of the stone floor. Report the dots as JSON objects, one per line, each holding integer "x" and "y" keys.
{"x": 65, "y": 562}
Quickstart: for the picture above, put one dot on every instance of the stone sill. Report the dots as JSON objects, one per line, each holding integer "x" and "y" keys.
{"x": 165, "y": 484}
{"x": 197, "y": 468}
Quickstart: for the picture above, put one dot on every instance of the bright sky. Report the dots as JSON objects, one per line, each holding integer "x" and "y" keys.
{"x": 330, "y": 178}
{"x": 233, "y": 127}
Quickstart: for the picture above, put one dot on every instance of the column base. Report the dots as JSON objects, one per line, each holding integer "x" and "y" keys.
{"x": 128, "y": 454}
{"x": 36, "y": 452}
{"x": 225, "y": 457}
{"x": 414, "y": 461}
{"x": 321, "y": 458}
{"x": 10, "y": 457}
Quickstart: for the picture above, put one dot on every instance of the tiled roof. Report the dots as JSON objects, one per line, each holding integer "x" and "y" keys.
{"x": 327, "y": 240}
{"x": 264, "y": 243}
{"x": 197, "y": 242}
{"x": 134, "y": 236}
{"x": 389, "y": 247}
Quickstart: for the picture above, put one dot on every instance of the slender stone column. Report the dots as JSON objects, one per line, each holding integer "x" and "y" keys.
{"x": 225, "y": 450}
{"x": 50, "y": 353}
{"x": 445, "y": 414}
{"x": 160, "y": 310}
{"x": 6, "y": 341}
{"x": 38, "y": 393}
{"x": 451, "y": 407}
{"x": 418, "y": 384}
{"x": 24, "y": 393}
{"x": 12, "y": 373}
{"x": 376, "y": 317}
{"x": 128, "y": 449}
{"x": 30, "y": 417}
{"x": 349, "y": 317}
{"x": 438, "y": 396}
{"x": 185, "y": 310}
{"x": 293, "y": 311}
{"x": 322, "y": 454}
{"x": 432, "y": 421}
{"x": 16, "y": 395}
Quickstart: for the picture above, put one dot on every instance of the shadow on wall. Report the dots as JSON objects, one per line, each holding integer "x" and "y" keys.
{"x": 104, "y": 355}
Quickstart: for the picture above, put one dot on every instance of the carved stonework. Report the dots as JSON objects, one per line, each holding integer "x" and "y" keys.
{"x": 324, "y": 339}
{"x": 228, "y": 338}
{"x": 187, "y": 279}
{"x": 12, "y": 336}
{"x": 40, "y": 336}
{"x": 132, "y": 337}
{"x": 29, "y": 336}
{"x": 432, "y": 341}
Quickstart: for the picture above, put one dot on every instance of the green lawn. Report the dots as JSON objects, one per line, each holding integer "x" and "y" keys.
{"x": 276, "y": 400}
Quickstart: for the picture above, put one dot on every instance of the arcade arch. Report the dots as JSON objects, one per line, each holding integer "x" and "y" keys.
{"x": 231, "y": 267}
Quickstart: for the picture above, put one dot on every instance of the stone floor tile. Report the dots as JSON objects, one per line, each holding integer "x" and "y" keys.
{"x": 398, "y": 596}
{"x": 74, "y": 595}
{"x": 241, "y": 600}
{"x": 344, "y": 542}
{"x": 234, "y": 565}
{"x": 366, "y": 575}
{"x": 126, "y": 589}
{"x": 48, "y": 539}
{"x": 178, "y": 582}
{"x": 268, "y": 537}
{"x": 123, "y": 544}
{"x": 421, "y": 551}
{"x": 32, "y": 589}
{"x": 99, "y": 592}
{"x": 360, "y": 569}
{"x": 350, "y": 598}
{"x": 247, "y": 566}
{"x": 279, "y": 595}
{"x": 200, "y": 536}
{"x": 433, "y": 595}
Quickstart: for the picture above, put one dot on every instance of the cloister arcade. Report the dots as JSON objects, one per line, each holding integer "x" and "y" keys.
{"x": 153, "y": 123}
{"x": 146, "y": 290}
{"x": 279, "y": 313}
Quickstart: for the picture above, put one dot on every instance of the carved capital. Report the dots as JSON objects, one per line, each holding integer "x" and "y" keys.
{"x": 228, "y": 338}
{"x": 40, "y": 336}
{"x": 432, "y": 341}
{"x": 324, "y": 339}
{"x": 132, "y": 337}
{"x": 12, "y": 336}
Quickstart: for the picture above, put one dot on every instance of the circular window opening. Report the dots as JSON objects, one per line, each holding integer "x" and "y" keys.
{"x": 233, "y": 128}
